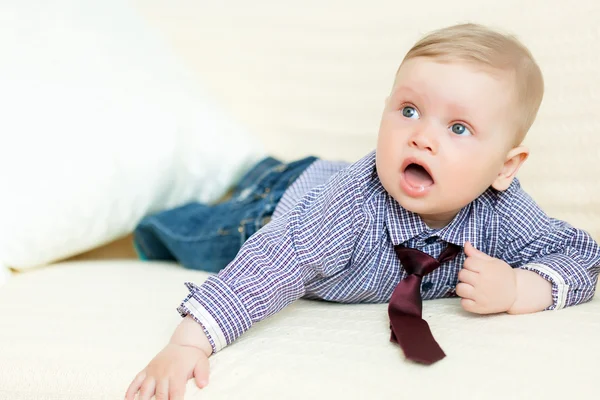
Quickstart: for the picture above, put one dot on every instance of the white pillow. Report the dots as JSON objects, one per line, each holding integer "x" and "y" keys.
{"x": 101, "y": 125}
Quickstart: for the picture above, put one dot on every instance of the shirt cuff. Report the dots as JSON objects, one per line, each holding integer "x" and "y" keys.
{"x": 218, "y": 310}
{"x": 191, "y": 307}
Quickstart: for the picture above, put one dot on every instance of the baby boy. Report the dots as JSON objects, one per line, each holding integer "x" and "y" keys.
{"x": 443, "y": 173}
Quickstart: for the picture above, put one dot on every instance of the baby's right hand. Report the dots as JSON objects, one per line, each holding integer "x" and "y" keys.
{"x": 185, "y": 356}
{"x": 167, "y": 374}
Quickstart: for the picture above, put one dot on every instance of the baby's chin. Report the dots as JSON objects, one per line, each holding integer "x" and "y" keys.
{"x": 434, "y": 213}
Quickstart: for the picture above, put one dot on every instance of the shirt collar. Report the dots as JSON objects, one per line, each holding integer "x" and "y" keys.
{"x": 467, "y": 225}
{"x": 402, "y": 224}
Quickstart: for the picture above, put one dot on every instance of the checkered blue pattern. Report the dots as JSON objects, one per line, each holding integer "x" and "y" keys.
{"x": 333, "y": 236}
{"x": 317, "y": 174}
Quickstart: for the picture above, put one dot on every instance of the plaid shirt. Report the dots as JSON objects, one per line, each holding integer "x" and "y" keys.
{"x": 333, "y": 237}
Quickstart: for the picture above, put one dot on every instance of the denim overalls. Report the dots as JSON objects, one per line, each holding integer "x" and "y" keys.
{"x": 208, "y": 237}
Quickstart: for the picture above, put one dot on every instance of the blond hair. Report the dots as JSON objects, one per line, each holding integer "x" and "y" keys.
{"x": 483, "y": 46}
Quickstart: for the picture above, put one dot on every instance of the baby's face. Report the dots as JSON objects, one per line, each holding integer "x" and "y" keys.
{"x": 444, "y": 135}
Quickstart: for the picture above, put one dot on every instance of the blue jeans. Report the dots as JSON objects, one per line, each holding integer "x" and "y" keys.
{"x": 208, "y": 237}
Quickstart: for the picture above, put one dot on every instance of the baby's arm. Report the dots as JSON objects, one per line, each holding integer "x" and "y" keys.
{"x": 269, "y": 272}
{"x": 185, "y": 356}
{"x": 534, "y": 293}
{"x": 534, "y": 254}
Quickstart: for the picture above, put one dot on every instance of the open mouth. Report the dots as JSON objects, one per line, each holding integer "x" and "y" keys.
{"x": 417, "y": 176}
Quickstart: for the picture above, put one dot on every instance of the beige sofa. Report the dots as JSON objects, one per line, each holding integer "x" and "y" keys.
{"x": 310, "y": 78}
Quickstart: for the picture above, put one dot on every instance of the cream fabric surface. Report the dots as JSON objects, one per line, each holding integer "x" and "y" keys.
{"x": 311, "y": 77}
{"x": 82, "y": 330}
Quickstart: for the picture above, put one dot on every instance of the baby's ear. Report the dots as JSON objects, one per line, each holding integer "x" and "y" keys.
{"x": 514, "y": 159}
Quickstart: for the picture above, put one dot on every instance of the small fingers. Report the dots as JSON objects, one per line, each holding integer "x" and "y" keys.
{"x": 468, "y": 276}
{"x": 176, "y": 389}
{"x": 472, "y": 264}
{"x": 162, "y": 390}
{"x": 135, "y": 386}
{"x": 147, "y": 389}
{"x": 469, "y": 305}
{"x": 201, "y": 372}
{"x": 465, "y": 291}
{"x": 471, "y": 251}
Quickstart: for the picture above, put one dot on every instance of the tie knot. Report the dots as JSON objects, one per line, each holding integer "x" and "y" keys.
{"x": 416, "y": 262}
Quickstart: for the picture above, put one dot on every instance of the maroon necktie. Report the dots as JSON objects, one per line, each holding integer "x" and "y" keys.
{"x": 408, "y": 327}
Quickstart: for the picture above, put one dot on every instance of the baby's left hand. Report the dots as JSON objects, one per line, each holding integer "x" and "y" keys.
{"x": 487, "y": 284}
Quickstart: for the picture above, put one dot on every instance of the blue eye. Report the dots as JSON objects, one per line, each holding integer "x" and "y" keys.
{"x": 410, "y": 112}
{"x": 460, "y": 130}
